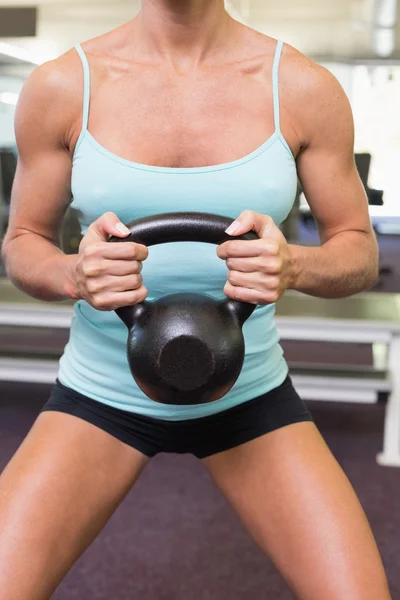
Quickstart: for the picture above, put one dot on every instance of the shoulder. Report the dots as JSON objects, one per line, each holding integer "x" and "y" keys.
{"x": 55, "y": 80}
{"x": 298, "y": 73}
{"x": 306, "y": 77}
{"x": 51, "y": 98}
{"x": 313, "y": 96}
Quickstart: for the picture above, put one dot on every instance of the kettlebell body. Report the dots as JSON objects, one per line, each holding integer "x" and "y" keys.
{"x": 185, "y": 348}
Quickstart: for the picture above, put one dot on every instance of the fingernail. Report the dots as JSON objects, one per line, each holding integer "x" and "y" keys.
{"x": 122, "y": 228}
{"x": 232, "y": 229}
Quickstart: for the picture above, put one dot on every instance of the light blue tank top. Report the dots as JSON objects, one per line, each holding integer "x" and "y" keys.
{"x": 94, "y": 362}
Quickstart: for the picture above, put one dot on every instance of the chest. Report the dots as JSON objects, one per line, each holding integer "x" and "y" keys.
{"x": 157, "y": 118}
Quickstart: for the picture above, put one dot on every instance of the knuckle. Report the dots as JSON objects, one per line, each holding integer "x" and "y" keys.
{"x": 92, "y": 270}
{"x": 233, "y": 292}
{"x": 83, "y": 268}
{"x": 227, "y": 289}
{"x": 273, "y": 283}
{"x": 94, "y": 287}
{"x": 89, "y": 251}
{"x": 271, "y": 249}
{"x": 232, "y": 277}
{"x": 86, "y": 268}
{"x": 275, "y": 265}
{"x": 135, "y": 297}
{"x": 279, "y": 265}
{"x": 224, "y": 250}
{"x": 272, "y": 297}
{"x": 98, "y": 302}
{"x": 91, "y": 287}
{"x": 269, "y": 220}
{"x": 137, "y": 281}
{"x": 108, "y": 216}
{"x": 138, "y": 267}
{"x": 142, "y": 294}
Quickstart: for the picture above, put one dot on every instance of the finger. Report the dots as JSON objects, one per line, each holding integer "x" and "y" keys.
{"x": 126, "y": 251}
{"x": 241, "y": 248}
{"x": 108, "y": 302}
{"x": 254, "y": 281}
{"x": 126, "y": 284}
{"x": 271, "y": 265}
{"x": 112, "y": 285}
{"x": 106, "y": 225}
{"x": 249, "y": 220}
{"x": 245, "y": 265}
{"x": 244, "y": 248}
{"x": 119, "y": 268}
{"x": 100, "y": 267}
{"x": 249, "y": 295}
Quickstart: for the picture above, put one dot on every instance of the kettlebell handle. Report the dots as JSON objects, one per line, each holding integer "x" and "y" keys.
{"x": 184, "y": 227}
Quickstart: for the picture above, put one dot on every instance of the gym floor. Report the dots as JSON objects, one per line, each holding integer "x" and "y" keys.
{"x": 174, "y": 537}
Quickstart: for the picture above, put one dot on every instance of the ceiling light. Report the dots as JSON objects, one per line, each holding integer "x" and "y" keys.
{"x": 386, "y": 14}
{"x": 17, "y": 52}
{"x": 9, "y": 98}
{"x": 384, "y": 41}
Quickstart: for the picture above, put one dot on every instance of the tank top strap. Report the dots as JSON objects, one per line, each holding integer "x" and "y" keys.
{"x": 86, "y": 86}
{"x": 275, "y": 85}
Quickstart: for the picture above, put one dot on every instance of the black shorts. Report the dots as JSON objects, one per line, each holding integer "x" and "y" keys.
{"x": 202, "y": 437}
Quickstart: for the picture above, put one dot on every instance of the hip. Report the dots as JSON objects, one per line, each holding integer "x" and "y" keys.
{"x": 201, "y": 437}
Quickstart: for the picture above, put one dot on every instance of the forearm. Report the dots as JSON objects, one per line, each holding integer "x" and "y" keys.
{"x": 36, "y": 266}
{"x": 345, "y": 265}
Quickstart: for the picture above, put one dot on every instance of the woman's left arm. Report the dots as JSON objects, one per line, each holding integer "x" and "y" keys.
{"x": 347, "y": 260}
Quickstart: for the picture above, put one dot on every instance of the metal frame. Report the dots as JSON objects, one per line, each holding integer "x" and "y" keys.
{"x": 28, "y": 371}
{"x": 32, "y": 315}
{"x": 357, "y": 331}
{"x": 390, "y": 457}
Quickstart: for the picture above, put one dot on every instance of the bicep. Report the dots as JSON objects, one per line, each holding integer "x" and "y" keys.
{"x": 42, "y": 185}
{"x": 327, "y": 169}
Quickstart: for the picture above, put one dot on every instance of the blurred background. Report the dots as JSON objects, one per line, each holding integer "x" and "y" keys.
{"x": 344, "y": 354}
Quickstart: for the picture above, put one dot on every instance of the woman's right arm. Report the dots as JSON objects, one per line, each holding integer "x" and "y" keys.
{"x": 41, "y": 191}
{"x": 48, "y": 120}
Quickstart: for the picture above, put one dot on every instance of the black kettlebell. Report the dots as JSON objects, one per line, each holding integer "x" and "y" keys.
{"x": 185, "y": 348}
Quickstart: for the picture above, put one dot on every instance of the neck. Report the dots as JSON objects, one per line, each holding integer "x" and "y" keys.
{"x": 183, "y": 32}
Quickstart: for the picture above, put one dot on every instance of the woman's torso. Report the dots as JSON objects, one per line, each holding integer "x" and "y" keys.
{"x": 107, "y": 179}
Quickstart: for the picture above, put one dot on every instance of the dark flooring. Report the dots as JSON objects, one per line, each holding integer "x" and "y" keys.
{"x": 174, "y": 537}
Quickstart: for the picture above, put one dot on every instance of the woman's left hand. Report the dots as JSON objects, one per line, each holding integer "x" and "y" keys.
{"x": 260, "y": 271}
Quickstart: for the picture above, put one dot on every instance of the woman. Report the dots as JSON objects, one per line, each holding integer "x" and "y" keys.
{"x": 175, "y": 103}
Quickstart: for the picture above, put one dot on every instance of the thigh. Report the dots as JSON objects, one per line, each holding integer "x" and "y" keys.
{"x": 56, "y": 494}
{"x": 299, "y": 506}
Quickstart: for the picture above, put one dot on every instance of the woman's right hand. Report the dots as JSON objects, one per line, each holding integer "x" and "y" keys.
{"x": 108, "y": 276}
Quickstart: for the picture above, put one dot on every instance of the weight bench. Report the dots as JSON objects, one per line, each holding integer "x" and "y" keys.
{"x": 372, "y": 319}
